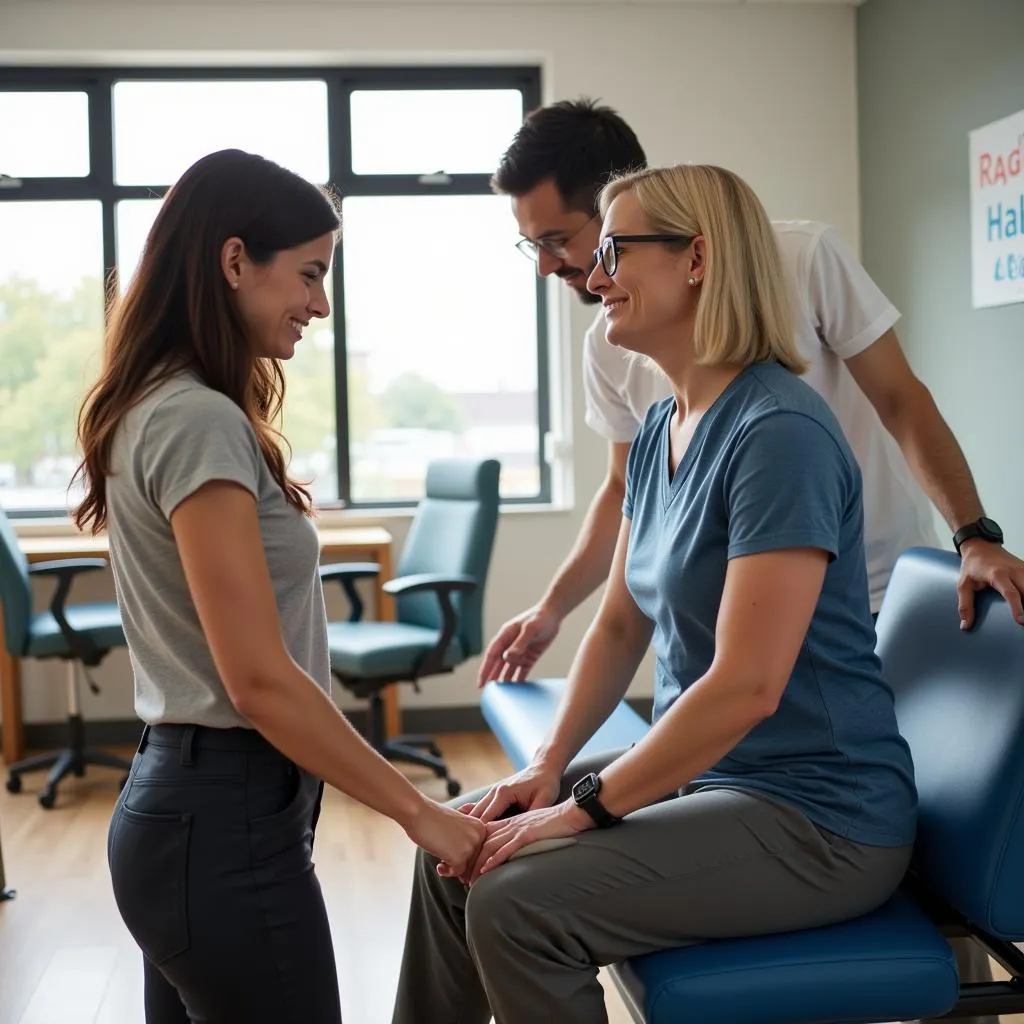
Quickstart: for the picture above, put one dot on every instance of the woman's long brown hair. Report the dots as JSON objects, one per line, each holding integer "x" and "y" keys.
{"x": 178, "y": 314}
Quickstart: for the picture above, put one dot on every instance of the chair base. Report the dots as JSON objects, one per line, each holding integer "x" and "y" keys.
{"x": 71, "y": 760}
{"x": 403, "y": 748}
{"x": 412, "y": 749}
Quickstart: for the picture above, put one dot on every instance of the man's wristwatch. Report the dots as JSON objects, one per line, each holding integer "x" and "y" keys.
{"x": 985, "y": 528}
{"x": 584, "y": 793}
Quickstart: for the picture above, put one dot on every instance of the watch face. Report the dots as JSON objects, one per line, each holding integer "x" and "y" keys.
{"x": 586, "y": 787}
{"x": 990, "y": 528}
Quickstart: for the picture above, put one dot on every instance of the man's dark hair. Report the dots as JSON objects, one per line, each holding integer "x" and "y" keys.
{"x": 575, "y": 142}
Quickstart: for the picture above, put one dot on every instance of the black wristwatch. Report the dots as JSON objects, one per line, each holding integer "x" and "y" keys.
{"x": 985, "y": 528}
{"x": 584, "y": 793}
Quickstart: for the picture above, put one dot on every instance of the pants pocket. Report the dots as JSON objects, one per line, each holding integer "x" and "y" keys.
{"x": 148, "y": 856}
{"x": 288, "y": 832}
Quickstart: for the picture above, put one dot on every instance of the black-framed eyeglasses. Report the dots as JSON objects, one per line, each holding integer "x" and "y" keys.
{"x": 607, "y": 253}
{"x": 560, "y": 250}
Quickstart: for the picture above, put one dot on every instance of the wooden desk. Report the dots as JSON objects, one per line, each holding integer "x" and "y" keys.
{"x": 353, "y": 544}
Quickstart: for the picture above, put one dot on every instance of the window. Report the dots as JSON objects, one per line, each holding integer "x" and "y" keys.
{"x": 44, "y": 134}
{"x": 51, "y": 329}
{"x": 436, "y": 343}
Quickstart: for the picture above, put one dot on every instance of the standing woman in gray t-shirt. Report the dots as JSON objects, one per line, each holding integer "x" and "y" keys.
{"x": 215, "y": 561}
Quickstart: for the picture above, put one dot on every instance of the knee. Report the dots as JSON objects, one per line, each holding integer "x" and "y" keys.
{"x": 497, "y": 910}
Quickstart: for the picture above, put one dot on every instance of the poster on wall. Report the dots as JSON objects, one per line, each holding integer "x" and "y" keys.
{"x": 997, "y": 212}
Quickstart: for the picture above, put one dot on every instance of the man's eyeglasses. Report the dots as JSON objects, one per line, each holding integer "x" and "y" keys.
{"x": 607, "y": 254}
{"x": 560, "y": 250}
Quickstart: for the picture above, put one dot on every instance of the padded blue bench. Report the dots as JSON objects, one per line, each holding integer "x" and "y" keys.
{"x": 960, "y": 703}
{"x": 520, "y": 714}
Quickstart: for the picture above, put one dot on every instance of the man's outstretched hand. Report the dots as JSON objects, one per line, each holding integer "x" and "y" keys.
{"x": 517, "y": 646}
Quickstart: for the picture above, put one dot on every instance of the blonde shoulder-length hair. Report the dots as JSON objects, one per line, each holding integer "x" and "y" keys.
{"x": 744, "y": 314}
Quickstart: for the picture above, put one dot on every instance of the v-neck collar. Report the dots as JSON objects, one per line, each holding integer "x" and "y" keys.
{"x": 671, "y": 484}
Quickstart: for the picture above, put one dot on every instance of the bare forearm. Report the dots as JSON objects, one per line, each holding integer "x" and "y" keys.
{"x": 703, "y": 725}
{"x": 936, "y": 459}
{"x": 587, "y": 565}
{"x": 301, "y": 721}
{"x": 600, "y": 674}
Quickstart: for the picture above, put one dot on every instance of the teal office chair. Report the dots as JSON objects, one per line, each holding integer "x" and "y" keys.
{"x": 80, "y": 634}
{"x": 439, "y": 592}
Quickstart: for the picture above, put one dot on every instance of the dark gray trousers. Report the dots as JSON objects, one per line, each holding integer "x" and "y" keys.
{"x": 525, "y": 942}
{"x": 210, "y": 852}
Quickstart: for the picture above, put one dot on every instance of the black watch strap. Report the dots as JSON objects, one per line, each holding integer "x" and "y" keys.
{"x": 585, "y": 793}
{"x": 985, "y": 528}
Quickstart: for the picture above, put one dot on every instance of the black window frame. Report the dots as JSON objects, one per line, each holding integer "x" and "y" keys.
{"x": 99, "y": 185}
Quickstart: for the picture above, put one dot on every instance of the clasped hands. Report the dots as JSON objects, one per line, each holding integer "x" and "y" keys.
{"x": 516, "y": 812}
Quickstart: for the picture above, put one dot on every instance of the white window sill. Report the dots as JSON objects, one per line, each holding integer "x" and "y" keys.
{"x": 61, "y": 526}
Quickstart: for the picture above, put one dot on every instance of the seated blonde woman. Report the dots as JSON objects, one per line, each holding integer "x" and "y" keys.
{"x": 791, "y": 799}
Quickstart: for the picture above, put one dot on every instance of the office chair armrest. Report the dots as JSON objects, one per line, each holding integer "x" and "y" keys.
{"x": 66, "y": 566}
{"x": 66, "y": 569}
{"x": 428, "y": 581}
{"x": 433, "y": 660}
{"x": 346, "y": 573}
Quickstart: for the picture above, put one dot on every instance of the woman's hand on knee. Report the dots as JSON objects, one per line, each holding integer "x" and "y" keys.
{"x": 505, "y": 838}
{"x": 532, "y": 788}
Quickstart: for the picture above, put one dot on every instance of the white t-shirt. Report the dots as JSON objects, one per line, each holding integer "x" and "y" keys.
{"x": 841, "y": 311}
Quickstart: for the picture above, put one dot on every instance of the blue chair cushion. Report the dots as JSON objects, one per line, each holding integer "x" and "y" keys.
{"x": 368, "y": 650}
{"x": 100, "y": 622}
{"x": 520, "y": 715}
{"x": 891, "y": 964}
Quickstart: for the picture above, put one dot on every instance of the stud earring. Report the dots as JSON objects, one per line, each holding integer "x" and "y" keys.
{"x": 692, "y": 281}
{"x": 234, "y": 285}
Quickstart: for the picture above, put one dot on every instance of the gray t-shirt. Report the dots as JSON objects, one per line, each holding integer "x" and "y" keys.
{"x": 179, "y": 437}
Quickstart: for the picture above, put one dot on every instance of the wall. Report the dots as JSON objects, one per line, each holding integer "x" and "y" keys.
{"x": 928, "y": 73}
{"x": 765, "y": 89}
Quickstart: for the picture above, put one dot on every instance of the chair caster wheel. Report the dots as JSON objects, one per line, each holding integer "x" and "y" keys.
{"x": 14, "y": 784}
{"x": 47, "y": 798}
{"x": 454, "y": 789}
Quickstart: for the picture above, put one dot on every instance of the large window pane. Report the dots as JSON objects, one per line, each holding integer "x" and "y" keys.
{"x": 162, "y": 128}
{"x": 309, "y": 423}
{"x": 51, "y": 328}
{"x": 456, "y": 131}
{"x": 134, "y": 219}
{"x": 442, "y": 343}
{"x": 44, "y": 134}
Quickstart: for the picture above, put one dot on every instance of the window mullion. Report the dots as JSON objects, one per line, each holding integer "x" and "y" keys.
{"x": 339, "y": 143}
{"x": 101, "y": 163}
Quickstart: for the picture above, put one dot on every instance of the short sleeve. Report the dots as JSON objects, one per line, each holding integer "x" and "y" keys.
{"x": 607, "y": 412}
{"x": 850, "y": 310}
{"x": 788, "y": 485}
{"x": 631, "y": 476}
{"x": 191, "y": 438}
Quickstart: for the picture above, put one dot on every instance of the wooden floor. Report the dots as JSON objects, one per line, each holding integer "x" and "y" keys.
{"x": 66, "y": 958}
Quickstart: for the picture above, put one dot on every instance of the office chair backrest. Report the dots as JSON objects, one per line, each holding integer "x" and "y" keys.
{"x": 453, "y": 532}
{"x": 15, "y": 590}
{"x": 960, "y": 705}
